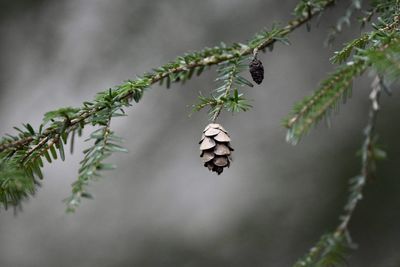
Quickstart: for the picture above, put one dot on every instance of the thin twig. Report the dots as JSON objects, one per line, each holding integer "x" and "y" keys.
{"x": 367, "y": 157}
{"x": 357, "y": 184}
{"x": 228, "y": 88}
{"x": 36, "y": 147}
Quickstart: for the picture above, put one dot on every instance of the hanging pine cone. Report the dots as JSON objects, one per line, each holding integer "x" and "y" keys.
{"x": 256, "y": 70}
{"x": 215, "y": 148}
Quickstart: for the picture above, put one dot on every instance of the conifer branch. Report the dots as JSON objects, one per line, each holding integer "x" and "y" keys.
{"x": 27, "y": 149}
{"x": 383, "y": 43}
{"x": 313, "y": 109}
{"x": 370, "y": 154}
{"x": 15, "y": 184}
{"x": 386, "y": 61}
{"x": 105, "y": 143}
{"x": 228, "y": 77}
{"x": 331, "y": 248}
{"x": 227, "y": 95}
{"x": 188, "y": 63}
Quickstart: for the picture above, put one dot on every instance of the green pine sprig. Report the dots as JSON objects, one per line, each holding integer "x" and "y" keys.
{"x": 326, "y": 99}
{"x": 227, "y": 95}
{"x": 332, "y": 248}
{"x": 105, "y": 142}
{"x": 385, "y": 61}
{"x": 16, "y": 184}
{"x": 338, "y": 85}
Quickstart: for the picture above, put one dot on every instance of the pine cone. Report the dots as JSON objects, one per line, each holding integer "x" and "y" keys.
{"x": 256, "y": 70}
{"x": 215, "y": 148}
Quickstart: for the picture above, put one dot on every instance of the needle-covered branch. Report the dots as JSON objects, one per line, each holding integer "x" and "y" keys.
{"x": 60, "y": 127}
{"x": 182, "y": 68}
{"x": 377, "y": 49}
{"x": 331, "y": 249}
{"x": 226, "y": 95}
{"x": 105, "y": 142}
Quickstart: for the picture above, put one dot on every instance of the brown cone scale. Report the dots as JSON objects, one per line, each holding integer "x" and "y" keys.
{"x": 215, "y": 148}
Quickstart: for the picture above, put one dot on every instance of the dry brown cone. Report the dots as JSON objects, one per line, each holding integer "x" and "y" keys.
{"x": 256, "y": 70}
{"x": 215, "y": 148}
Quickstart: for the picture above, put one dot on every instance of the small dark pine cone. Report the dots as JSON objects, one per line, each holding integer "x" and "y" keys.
{"x": 256, "y": 70}
{"x": 215, "y": 148}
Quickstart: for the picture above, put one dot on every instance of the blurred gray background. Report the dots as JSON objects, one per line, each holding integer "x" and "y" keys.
{"x": 161, "y": 207}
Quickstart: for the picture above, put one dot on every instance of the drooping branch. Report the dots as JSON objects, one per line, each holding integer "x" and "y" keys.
{"x": 312, "y": 109}
{"x": 383, "y": 42}
{"x": 332, "y": 247}
{"x": 105, "y": 142}
{"x": 370, "y": 153}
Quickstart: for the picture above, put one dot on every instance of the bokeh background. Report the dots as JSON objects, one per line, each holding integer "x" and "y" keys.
{"x": 161, "y": 207}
